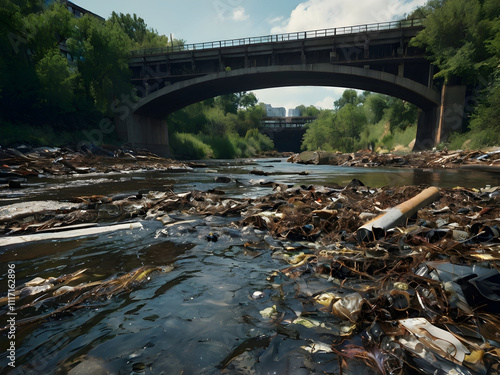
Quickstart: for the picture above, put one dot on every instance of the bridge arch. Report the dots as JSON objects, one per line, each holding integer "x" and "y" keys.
{"x": 176, "y": 96}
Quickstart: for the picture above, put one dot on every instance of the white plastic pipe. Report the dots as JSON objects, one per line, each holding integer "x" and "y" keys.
{"x": 396, "y": 216}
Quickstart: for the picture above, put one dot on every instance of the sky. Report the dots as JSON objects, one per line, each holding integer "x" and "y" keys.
{"x": 209, "y": 20}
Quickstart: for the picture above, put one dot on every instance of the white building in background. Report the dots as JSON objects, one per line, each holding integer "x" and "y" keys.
{"x": 275, "y": 112}
{"x": 293, "y": 112}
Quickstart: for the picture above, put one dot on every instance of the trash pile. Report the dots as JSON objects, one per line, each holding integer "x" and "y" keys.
{"x": 411, "y": 272}
{"x": 417, "y": 298}
{"x": 487, "y": 160}
{"x": 19, "y": 163}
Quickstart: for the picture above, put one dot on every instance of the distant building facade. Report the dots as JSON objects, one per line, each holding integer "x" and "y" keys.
{"x": 293, "y": 112}
{"x": 275, "y": 112}
{"x": 78, "y": 11}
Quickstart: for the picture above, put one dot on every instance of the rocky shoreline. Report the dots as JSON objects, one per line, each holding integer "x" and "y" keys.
{"x": 481, "y": 160}
{"x": 22, "y": 162}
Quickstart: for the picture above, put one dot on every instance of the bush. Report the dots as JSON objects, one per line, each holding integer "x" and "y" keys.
{"x": 189, "y": 146}
{"x": 259, "y": 141}
{"x": 406, "y": 136}
{"x": 474, "y": 139}
{"x": 222, "y": 147}
{"x": 36, "y": 135}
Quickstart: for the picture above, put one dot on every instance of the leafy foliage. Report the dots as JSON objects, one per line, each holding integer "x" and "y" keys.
{"x": 139, "y": 33}
{"x": 308, "y": 111}
{"x": 189, "y": 146}
{"x": 460, "y": 38}
{"x": 359, "y": 121}
{"x": 52, "y": 64}
{"x": 219, "y": 133}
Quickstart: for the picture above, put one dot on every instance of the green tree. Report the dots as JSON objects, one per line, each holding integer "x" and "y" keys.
{"x": 375, "y": 106}
{"x": 228, "y": 103}
{"x": 320, "y": 134}
{"x": 335, "y": 130}
{"x": 248, "y": 100}
{"x": 57, "y": 82}
{"x": 349, "y": 96}
{"x": 401, "y": 114}
{"x": 139, "y": 33}
{"x": 101, "y": 50}
{"x": 191, "y": 119}
{"x": 19, "y": 84}
{"x": 311, "y": 110}
{"x": 350, "y": 120}
{"x": 47, "y": 30}
{"x": 456, "y": 37}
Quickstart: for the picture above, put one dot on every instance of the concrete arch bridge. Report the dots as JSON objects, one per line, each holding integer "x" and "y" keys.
{"x": 374, "y": 57}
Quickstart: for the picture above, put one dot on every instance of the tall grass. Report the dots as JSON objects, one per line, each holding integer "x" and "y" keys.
{"x": 405, "y": 137}
{"x": 228, "y": 146}
{"x": 474, "y": 139}
{"x": 189, "y": 146}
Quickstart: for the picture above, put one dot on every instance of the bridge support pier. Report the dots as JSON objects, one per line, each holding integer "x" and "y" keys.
{"x": 435, "y": 125}
{"x": 144, "y": 132}
{"x": 451, "y": 116}
{"x": 428, "y": 122}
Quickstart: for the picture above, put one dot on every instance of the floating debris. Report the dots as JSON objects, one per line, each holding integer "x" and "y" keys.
{"x": 78, "y": 296}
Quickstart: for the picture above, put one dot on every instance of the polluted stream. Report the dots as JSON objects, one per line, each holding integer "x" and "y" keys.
{"x": 251, "y": 267}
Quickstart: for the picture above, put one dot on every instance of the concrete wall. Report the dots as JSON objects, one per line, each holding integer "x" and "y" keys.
{"x": 145, "y": 132}
{"x": 287, "y": 140}
{"x": 451, "y": 115}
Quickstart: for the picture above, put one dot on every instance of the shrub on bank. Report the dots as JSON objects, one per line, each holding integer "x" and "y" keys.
{"x": 189, "y": 146}
{"x": 474, "y": 139}
{"x": 222, "y": 146}
{"x": 228, "y": 146}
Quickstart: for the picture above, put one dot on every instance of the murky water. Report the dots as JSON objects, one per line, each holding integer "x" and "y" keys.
{"x": 244, "y": 185}
{"x": 199, "y": 318}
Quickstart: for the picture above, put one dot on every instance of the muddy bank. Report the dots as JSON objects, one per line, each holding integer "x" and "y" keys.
{"x": 480, "y": 160}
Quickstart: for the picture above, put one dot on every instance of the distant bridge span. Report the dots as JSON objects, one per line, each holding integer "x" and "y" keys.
{"x": 372, "y": 57}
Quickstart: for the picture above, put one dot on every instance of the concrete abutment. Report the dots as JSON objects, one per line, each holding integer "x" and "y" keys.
{"x": 144, "y": 132}
{"x": 435, "y": 125}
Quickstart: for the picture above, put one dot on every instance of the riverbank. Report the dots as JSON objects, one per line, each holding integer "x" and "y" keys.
{"x": 24, "y": 161}
{"x": 21, "y": 162}
{"x": 488, "y": 160}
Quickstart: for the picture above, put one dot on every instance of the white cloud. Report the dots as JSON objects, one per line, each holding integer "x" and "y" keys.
{"x": 275, "y": 20}
{"x": 320, "y": 14}
{"x": 326, "y": 103}
{"x": 239, "y": 14}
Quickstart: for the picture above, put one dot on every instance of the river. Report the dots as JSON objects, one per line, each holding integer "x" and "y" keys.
{"x": 202, "y": 317}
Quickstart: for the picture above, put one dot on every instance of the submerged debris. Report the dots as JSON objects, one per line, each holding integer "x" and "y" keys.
{"x": 51, "y": 292}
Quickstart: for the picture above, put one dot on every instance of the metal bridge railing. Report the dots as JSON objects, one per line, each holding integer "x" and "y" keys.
{"x": 282, "y": 37}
